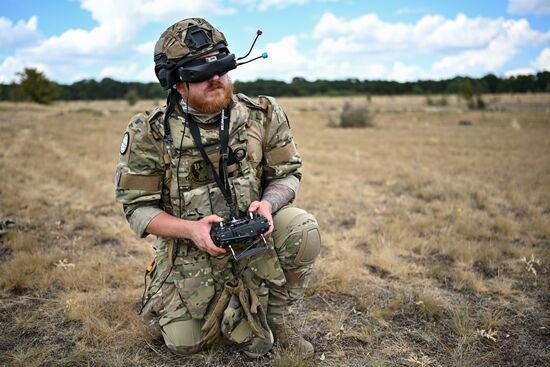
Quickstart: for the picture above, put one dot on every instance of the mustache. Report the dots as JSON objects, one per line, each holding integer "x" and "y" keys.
{"x": 215, "y": 84}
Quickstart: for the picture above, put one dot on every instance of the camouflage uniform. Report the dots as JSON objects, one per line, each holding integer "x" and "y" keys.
{"x": 185, "y": 284}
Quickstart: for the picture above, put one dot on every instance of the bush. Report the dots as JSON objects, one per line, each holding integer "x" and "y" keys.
{"x": 480, "y": 103}
{"x": 131, "y": 97}
{"x": 472, "y": 95}
{"x": 36, "y": 87}
{"x": 442, "y": 101}
{"x": 355, "y": 117}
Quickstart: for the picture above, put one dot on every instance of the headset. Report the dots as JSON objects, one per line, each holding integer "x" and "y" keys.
{"x": 201, "y": 68}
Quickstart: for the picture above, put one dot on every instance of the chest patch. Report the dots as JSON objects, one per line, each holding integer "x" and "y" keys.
{"x": 124, "y": 143}
{"x": 199, "y": 172}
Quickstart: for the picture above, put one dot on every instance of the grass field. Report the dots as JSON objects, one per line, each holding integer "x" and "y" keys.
{"x": 435, "y": 225}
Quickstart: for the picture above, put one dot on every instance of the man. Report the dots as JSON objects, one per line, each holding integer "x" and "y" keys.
{"x": 208, "y": 157}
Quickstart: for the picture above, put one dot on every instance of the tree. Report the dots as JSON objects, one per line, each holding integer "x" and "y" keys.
{"x": 36, "y": 87}
{"x": 492, "y": 82}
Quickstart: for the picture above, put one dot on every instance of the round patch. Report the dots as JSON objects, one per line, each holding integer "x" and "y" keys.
{"x": 239, "y": 154}
{"x": 124, "y": 143}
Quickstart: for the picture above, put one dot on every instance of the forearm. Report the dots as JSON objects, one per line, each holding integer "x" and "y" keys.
{"x": 281, "y": 192}
{"x": 166, "y": 225}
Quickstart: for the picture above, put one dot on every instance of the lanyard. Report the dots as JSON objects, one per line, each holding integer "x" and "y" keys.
{"x": 221, "y": 176}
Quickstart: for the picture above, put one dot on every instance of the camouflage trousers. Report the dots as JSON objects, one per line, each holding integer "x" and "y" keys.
{"x": 183, "y": 292}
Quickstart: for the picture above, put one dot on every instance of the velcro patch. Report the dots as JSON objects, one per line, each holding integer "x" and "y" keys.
{"x": 281, "y": 154}
{"x": 139, "y": 182}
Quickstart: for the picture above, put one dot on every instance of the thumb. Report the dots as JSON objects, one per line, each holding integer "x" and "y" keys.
{"x": 254, "y": 206}
{"x": 214, "y": 219}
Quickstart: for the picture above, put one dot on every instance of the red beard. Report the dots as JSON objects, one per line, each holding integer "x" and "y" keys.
{"x": 213, "y": 99}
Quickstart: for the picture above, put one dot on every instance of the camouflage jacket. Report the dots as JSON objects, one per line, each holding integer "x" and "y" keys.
{"x": 148, "y": 179}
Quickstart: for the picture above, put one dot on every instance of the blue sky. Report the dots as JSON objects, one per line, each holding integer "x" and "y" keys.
{"x": 400, "y": 40}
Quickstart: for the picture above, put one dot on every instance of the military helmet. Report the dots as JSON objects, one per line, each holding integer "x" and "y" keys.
{"x": 186, "y": 52}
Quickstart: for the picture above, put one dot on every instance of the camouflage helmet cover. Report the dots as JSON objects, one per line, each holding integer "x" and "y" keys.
{"x": 182, "y": 43}
{"x": 176, "y": 41}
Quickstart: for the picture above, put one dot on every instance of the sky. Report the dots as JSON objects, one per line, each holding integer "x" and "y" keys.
{"x": 402, "y": 40}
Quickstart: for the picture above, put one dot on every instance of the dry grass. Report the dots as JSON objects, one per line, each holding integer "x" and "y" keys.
{"x": 436, "y": 237}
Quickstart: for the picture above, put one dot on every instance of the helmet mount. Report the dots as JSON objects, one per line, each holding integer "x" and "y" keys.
{"x": 198, "y": 38}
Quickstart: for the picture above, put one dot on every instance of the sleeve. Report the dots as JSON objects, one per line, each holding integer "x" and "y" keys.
{"x": 282, "y": 160}
{"x": 139, "y": 175}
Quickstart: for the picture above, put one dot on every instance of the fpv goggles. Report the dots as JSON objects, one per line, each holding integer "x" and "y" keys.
{"x": 205, "y": 67}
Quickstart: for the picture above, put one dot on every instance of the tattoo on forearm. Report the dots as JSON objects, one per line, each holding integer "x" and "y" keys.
{"x": 278, "y": 196}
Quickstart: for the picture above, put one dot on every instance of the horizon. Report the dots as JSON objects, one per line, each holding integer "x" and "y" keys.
{"x": 501, "y": 77}
{"x": 319, "y": 39}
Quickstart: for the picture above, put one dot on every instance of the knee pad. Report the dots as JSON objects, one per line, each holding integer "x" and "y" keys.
{"x": 181, "y": 336}
{"x": 296, "y": 226}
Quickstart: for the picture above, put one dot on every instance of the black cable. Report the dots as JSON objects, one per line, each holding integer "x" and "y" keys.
{"x": 179, "y": 154}
{"x": 143, "y": 304}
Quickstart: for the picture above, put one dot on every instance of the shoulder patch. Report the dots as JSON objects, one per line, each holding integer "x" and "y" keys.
{"x": 265, "y": 100}
{"x": 154, "y": 122}
{"x": 155, "y": 113}
{"x": 249, "y": 102}
{"x": 125, "y": 142}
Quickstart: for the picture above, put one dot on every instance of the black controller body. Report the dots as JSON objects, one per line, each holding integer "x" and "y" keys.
{"x": 242, "y": 230}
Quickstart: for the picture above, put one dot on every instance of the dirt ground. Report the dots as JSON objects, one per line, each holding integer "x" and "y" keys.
{"x": 435, "y": 224}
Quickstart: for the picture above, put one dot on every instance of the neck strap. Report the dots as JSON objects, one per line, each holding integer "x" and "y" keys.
{"x": 220, "y": 177}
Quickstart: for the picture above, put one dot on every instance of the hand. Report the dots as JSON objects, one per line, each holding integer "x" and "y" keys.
{"x": 263, "y": 208}
{"x": 200, "y": 235}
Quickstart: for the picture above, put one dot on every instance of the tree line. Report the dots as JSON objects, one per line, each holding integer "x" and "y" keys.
{"x": 33, "y": 85}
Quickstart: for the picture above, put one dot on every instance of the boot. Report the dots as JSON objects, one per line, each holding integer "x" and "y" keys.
{"x": 292, "y": 341}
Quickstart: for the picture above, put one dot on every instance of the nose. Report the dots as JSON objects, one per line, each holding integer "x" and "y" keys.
{"x": 215, "y": 77}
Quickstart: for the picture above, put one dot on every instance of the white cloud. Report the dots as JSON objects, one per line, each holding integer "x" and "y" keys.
{"x": 543, "y": 60}
{"x": 461, "y": 45}
{"x": 130, "y": 72}
{"x": 490, "y": 58}
{"x": 8, "y": 69}
{"x": 284, "y": 61}
{"x": 406, "y": 73}
{"x": 13, "y": 65}
{"x": 429, "y": 33}
{"x": 145, "y": 48}
{"x": 507, "y": 43}
{"x": 529, "y": 7}
{"x": 19, "y": 35}
{"x": 123, "y": 73}
{"x": 139, "y": 12}
{"x": 118, "y": 23}
{"x": 364, "y": 46}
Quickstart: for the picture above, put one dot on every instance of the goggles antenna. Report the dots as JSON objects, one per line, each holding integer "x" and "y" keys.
{"x": 263, "y": 56}
{"x": 258, "y": 34}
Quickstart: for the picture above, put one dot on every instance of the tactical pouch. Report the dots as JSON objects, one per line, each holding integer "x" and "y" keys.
{"x": 238, "y": 315}
{"x": 193, "y": 278}
{"x": 258, "y": 285}
{"x": 246, "y": 191}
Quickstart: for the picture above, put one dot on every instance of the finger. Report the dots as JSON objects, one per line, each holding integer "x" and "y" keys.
{"x": 254, "y": 206}
{"x": 269, "y": 231}
{"x": 215, "y": 251}
{"x": 212, "y": 249}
